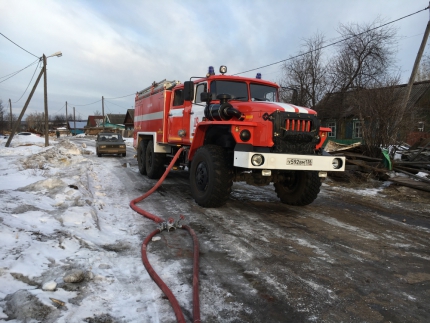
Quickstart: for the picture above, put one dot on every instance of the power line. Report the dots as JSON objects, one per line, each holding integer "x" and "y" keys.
{"x": 28, "y": 83}
{"x": 18, "y": 45}
{"x": 59, "y": 109}
{"x": 83, "y": 105}
{"x": 115, "y": 104}
{"x": 14, "y": 73}
{"x": 334, "y": 43}
{"x": 120, "y": 97}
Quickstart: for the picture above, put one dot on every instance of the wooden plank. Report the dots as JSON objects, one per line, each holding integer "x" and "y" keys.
{"x": 359, "y": 156}
{"x": 409, "y": 182}
{"x": 364, "y": 165}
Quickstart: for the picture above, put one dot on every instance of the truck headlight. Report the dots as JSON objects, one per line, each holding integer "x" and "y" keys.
{"x": 102, "y": 146}
{"x": 337, "y": 163}
{"x": 257, "y": 160}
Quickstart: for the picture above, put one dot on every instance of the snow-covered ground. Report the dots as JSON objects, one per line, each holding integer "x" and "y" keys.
{"x": 68, "y": 252}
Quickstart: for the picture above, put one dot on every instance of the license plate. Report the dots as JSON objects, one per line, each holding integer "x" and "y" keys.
{"x": 299, "y": 162}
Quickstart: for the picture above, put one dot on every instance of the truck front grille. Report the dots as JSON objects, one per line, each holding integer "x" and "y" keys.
{"x": 294, "y": 133}
{"x": 298, "y": 125}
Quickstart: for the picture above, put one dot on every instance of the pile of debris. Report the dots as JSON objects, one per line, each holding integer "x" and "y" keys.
{"x": 403, "y": 165}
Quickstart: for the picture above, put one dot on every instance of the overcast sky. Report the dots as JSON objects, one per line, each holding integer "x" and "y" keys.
{"x": 116, "y": 48}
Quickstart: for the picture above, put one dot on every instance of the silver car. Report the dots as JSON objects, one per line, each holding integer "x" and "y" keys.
{"x": 110, "y": 143}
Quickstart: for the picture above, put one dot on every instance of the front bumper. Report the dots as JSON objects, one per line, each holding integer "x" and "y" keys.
{"x": 111, "y": 150}
{"x": 290, "y": 162}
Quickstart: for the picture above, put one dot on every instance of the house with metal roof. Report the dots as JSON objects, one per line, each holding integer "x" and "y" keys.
{"x": 341, "y": 111}
{"x": 95, "y": 121}
{"x": 129, "y": 119}
{"x": 115, "y": 121}
{"x": 76, "y": 127}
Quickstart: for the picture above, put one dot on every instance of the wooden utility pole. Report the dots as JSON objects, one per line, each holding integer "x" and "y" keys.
{"x": 18, "y": 122}
{"x": 415, "y": 69}
{"x": 74, "y": 119}
{"x": 10, "y": 115}
{"x": 45, "y": 96}
{"x": 103, "y": 112}
{"x": 67, "y": 119}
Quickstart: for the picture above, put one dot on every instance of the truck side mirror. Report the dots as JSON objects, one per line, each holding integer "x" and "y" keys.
{"x": 206, "y": 97}
{"x": 188, "y": 91}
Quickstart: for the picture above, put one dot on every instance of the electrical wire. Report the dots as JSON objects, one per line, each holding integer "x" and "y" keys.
{"x": 59, "y": 109}
{"x": 116, "y": 105}
{"x": 333, "y": 43}
{"x": 107, "y": 108}
{"x": 83, "y": 105}
{"x": 14, "y": 73}
{"x": 120, "y": 97}
{"x": 28, "y": 83}
{"x": 19, "y": 46}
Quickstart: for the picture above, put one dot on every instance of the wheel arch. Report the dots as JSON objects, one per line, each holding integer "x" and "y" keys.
{"x": 152, "y": 136}
{"x": 212, "y": 134}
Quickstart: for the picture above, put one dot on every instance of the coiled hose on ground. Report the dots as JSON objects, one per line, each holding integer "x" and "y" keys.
{"x": 172, "y": 299}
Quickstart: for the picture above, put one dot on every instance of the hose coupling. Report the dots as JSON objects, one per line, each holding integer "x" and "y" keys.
{"x": 171, "y": 224}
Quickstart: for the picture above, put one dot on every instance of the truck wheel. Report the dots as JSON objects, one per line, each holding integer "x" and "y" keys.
{"x": 300, "y": 189}
{"x": 141, "y": 153}
{"x": 211, "y": 176}
{"x": 154, "y": 162}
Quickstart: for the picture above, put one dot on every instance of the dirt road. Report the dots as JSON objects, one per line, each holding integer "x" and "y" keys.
{"x": 357, "y": 254}
{"x": 350, "y": 256}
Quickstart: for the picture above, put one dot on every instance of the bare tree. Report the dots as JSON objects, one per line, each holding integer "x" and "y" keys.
{"x": 365, "y": 58}
{"x": 36, "y": 122}
{"x": 380, "y": 109}
{"x": 306, "y": 73}
{"x": 59, "y": 120}
{"x": 97, "y": 113}
{"x": 8, "y": 119}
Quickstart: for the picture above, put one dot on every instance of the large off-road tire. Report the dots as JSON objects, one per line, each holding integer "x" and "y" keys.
{"x": 154, "y": 162}
{"x": 300, "y": 189}
{"x": 141, "y": 153}
{"x": 211, "y": 176}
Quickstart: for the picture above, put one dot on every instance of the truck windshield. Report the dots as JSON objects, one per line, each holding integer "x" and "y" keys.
{"x": 237, "y": 90}
{"x": 263, "y": 93}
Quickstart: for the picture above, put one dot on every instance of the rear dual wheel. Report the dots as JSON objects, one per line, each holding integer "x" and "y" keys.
{"x": 141, "y": 153}
{"x": 154, "y": 162}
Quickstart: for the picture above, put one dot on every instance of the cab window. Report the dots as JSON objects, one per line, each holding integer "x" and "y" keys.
{"x": 202, "y": 87}
{"x": 178, "y": 98}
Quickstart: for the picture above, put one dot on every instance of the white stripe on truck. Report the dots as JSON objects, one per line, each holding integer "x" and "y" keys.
{"x": 149, "y": 116}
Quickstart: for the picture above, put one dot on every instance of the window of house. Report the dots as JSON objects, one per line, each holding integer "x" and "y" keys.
{"x": 357, "y": 130}
{"x": 420, "y": 126}
{"x": 332, "y": 126}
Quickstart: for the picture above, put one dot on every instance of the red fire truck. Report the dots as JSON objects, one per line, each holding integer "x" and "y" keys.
{"x": 233, "y": 129}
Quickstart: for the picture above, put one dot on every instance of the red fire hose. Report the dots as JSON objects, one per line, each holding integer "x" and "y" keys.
{"x": 166, "y": 225}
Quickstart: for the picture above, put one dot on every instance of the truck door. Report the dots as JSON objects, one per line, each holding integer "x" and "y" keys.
{"x": 198, "y": 108}
{"x": 176, "y": 118}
